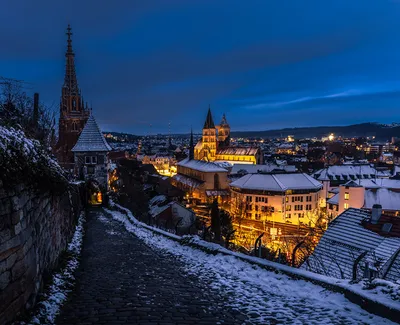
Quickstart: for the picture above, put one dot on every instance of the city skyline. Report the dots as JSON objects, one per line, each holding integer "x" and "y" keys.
{"x": 268, "y": 66}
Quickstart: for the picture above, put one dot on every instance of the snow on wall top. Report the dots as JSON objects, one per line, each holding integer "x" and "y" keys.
{"x": 277, "y": 182}
{"x": 345, "y": 172}
{"x": 201, "y": 165}
{"x": 91, "y": 138}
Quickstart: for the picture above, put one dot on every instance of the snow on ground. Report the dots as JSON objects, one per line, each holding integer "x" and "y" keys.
{"x": 62, "y": 282}
{"x": 265, "y": 296}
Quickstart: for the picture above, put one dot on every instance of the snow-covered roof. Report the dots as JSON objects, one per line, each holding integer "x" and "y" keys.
{"x": 223, "y": 164}
{"x": 277, "y": 182}
{"x": 345, "y": 172}
{"x": 254, "y": 169}
{"x": 239, "y": 151}
{"x": 389, "y": 200}
{"x": 91, "y": 138}
{"x": 379, "y": 183}
{"x": 344, "y": 241}
{"x": 188, "y": 181}
{"x": 334, "y": 200}
{"x": 201, "y": 165}
{"x": 396, "y": 170}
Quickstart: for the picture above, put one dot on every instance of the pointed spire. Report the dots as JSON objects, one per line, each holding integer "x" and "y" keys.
{"x": 70, "y": 81}
{"x": 191, "y": 146}
{"x": 224, "y": 122}
{"x": 209, "y": 123}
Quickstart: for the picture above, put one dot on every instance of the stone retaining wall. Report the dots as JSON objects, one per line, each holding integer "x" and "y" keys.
{"x": 34, "y": 229}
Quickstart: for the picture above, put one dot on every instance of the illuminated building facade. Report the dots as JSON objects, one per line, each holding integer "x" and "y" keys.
{"x": 201, "y": 180}
{"x": 291, "y": 198}
{"x": 215, "y": 145}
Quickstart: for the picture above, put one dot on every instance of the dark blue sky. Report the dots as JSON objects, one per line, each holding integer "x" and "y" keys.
{"x": 266, "y": 64}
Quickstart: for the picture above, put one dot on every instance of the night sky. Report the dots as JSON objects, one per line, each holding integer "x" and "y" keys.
{"x": 266, "y": 64}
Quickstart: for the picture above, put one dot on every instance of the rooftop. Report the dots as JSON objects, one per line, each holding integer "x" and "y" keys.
{"x": 277, "y": 182}
{"x": 243, "y": 151}
{"x": 345, "y": 172}
{"x": 91, "y": 138}
{"x": 201, "y": 165}
{"x": 254, "y": 169}
{"x": 347, "y": 237}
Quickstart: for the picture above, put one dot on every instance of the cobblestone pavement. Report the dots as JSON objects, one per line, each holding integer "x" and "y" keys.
{"x": 123, "y": 281}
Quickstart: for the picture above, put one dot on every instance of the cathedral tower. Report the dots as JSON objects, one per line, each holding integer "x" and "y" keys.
{"x": 209, "y": 138}
{"x": 224, "y": 133}
{"x": 73, "y": 113}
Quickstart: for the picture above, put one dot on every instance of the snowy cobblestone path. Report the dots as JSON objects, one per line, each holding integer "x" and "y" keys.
{"x": 123, "y": 281}
{"x": 147, "y": 279}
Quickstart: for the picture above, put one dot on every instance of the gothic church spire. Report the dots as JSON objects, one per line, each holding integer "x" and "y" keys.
{"x": 70, "y": 81}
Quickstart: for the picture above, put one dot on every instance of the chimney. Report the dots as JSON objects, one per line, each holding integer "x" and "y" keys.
{"x": 35, "y": 109}
{"x": 376, "y": 213}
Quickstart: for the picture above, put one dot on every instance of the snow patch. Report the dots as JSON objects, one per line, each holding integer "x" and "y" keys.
{"x": 62, "y": 282}
{"x": 265, "y": 296}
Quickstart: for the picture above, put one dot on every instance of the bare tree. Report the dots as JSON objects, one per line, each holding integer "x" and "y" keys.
{"x": 17, "y": 111}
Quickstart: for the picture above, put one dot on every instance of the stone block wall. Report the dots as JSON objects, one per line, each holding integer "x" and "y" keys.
{"x": 34, "y": 229}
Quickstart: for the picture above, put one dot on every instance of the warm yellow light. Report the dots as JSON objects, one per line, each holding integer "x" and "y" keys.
{"x": 331, "y": 137}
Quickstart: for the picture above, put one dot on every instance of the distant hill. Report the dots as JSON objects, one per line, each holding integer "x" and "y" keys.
{"x": 380, "y": 131}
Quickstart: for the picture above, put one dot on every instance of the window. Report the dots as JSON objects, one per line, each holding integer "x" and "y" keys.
{"x": 288, "y": 216}
{"x": 249, "y": 198}
{"x": 308, "y": 207}
{"x": 346, "y": 195}
{"x": 308, "y": 198}
{"x": 90, "y": 170}
{"x": 258, "y": 216}
{"x": 298, "y": 207}
{"x": 216, "y": 181}
{"x": 346, "y": 206}
{"x": 74, "y": 126}
{"x": 288, "y": 208}
{"x": 90, "y": 160}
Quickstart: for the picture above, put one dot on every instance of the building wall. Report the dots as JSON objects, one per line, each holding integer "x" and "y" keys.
{"x": 208, "y": 179}
{"x": 239, "y": 158}
{"x": 350, "y": 197}
{"x": 284, "y": 208}
{"x": 97, "y": 171}
{"x": 34, "y": 230}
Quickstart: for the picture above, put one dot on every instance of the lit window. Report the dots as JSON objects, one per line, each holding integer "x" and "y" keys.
{"x": 346, "y": 206}
{"x": 346, "y": 195}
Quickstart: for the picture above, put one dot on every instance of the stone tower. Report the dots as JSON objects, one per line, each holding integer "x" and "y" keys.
{"x": 224, "y": 133}
{"x": 209, "y": 138}
{"x": 73, "y": 113}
